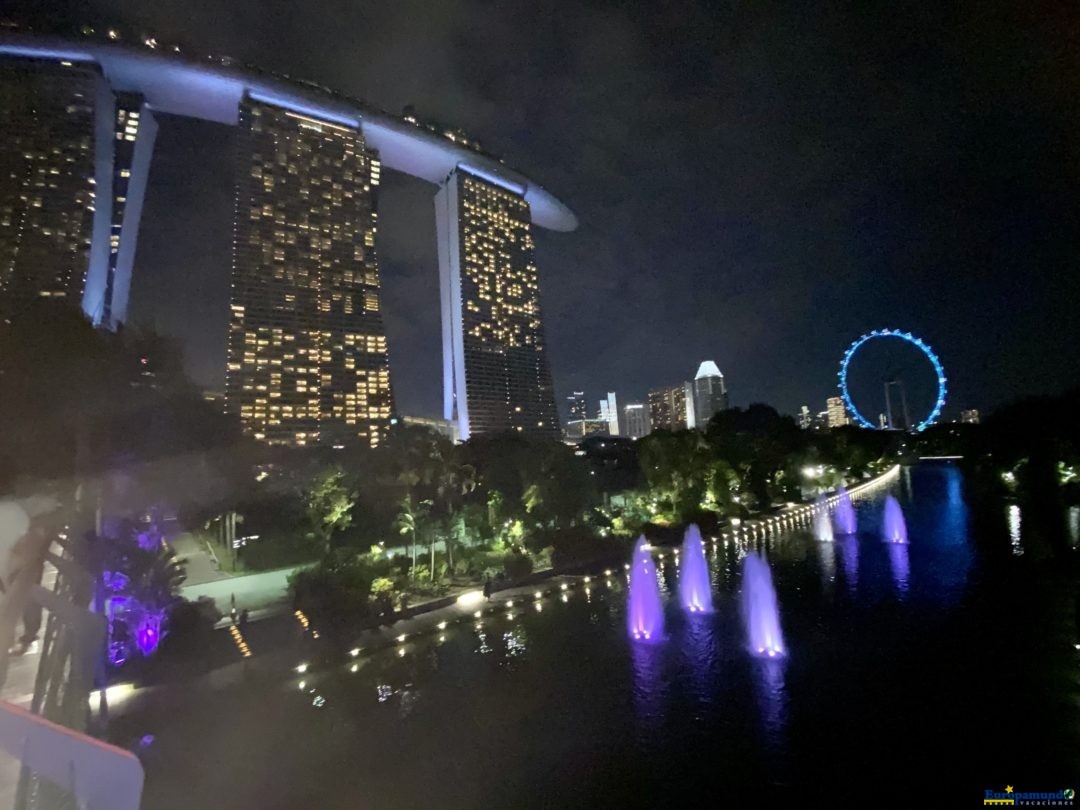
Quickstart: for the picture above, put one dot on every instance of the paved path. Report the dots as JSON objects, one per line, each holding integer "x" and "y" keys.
{"x": 199, "y": 565}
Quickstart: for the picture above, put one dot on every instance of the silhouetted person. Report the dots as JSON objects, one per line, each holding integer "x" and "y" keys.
{"x": 487, "y": 588}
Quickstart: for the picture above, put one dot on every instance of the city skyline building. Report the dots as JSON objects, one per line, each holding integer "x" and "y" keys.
{"x": 49, "y": 172}
{"x": 635, "y": 420}
{"x": 670, "y": 408}
{"x": 609, "y": 411}
{"x": 576, "y": 406}
{"x": 306, "y": 350}
{"x": 134, "y": 132}
{"x": 495, "y": 369}
{"x": 73, "y": 175}
{"x": 709, "y": 393}
{"x": 307, "y": 356}
{"x": 578, "y": 429}
{"x": 836, "y": 412}
{"x": 805, "y": 419}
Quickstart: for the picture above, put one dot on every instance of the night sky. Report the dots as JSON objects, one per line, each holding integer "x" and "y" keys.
{"x": 757, "y": 183}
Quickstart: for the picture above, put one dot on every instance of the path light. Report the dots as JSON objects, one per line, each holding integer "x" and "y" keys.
{"x": 355, "y": 651}
{"x": 441, "y": 625}
{"x": 538, "y": 595}
{"x": 563, "y": 586}
{"x": 588, "y": 580}
{"x": 401, "y": 638}
{"x": 470, "y": 598}
{"x": 302, "y": 668}
{"x": 478, "y": 614}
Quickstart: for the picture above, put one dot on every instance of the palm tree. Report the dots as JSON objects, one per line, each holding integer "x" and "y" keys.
{"x": 454, "y": 482}
{"x": 405, "y": 523}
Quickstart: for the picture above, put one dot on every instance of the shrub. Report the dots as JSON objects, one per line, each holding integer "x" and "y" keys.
{"x": 517, "y": 565}
{"x": 579, "y": 545}
{"x": 542, "y": 559}
{"x": 335, "y": 591}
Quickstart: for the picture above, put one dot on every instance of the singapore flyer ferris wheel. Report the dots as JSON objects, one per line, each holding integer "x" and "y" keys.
{"x": 918, "y": 343}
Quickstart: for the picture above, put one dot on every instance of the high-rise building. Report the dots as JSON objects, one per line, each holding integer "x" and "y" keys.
{"x": 609, "y": 411}
{"x": 805, "y": 419}
{"x": 970, "y": 417}
{"x": 710, "y": 393}
{"x": 690, "y": 413}
{"x": 73, "y": 170}
{"x": 837, "y": 415}
{"x": 48, "y": 158}
{"x": 578, "y": 429}
{"x": 576, "y": 405}
{"x": 307, "y": 358}
{"x": 669, "y": 408}
{"x": 134, "y": 133}
{"x": 307, "y": 355}
{"x": 495, "y": 368}
{"x": 635, "y": 420}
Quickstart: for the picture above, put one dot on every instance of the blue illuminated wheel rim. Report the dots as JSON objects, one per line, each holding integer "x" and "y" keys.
{"x": 914, "y": 341}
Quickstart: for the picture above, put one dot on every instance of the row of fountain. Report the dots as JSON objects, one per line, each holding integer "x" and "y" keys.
{"x": 760, "y": 610}
{"x": 893, "y": 526}
{"x": 645, "y": 611}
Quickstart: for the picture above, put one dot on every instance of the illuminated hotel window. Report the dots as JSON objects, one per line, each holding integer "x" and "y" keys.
{"x": 297, "y": 270}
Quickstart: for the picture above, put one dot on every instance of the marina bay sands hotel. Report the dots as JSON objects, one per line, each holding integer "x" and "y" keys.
{"x": 307, "y": 358}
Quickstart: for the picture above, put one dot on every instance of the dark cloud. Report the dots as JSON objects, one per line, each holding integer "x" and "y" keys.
{"x": 757, "y": 183}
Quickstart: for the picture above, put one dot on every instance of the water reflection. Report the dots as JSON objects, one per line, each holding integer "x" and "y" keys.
{"x": 771, "y": 697}
{"x": 514, "y": 641}
{"x": 849, "y": 557}
{"x": 1015, "y": 538}
{"x": 827, "y": 563}
{"x": 1073, "y": 521}
{"x": 650, "y": 696}
{"x": 701, "y": 652}
{"x": 939, "y": 521}
{"x": 900, "y": 565}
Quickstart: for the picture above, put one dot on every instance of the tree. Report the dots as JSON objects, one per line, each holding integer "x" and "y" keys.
{"x": 676, "y": 468}
{"x": 328, "y": 503}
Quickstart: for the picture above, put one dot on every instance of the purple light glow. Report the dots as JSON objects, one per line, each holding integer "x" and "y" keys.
{"x": 901, "y": 568}
{"x": 695, "y": 589}
{"x": 644, "y": 610}
{"x": 845, "y": 513}
{"x": 760, "y": 609}
{"x": 849, "y": 557}
{"x": 148, "y": 636}
{"x": 115, "y": 581}
{"x": 893, "y": 528}
{"x": 823, "y": 530}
